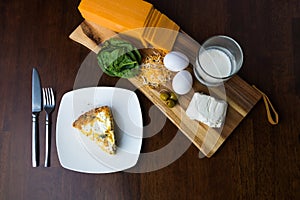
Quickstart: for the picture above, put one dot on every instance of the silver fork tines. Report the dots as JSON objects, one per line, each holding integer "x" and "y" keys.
{"x": 49, "y": 104}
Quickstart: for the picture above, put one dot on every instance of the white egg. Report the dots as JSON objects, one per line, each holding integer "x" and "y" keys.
{"x": 176, "y": 61}
{"x": 182, "y": 82}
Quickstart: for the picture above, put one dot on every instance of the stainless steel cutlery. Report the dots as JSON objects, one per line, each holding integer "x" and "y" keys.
{"x": 36, "y": 109}
{"x": 48, "y": 104}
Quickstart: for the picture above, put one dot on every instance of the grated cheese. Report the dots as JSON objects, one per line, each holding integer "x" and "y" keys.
{"x": 153, "y": 72}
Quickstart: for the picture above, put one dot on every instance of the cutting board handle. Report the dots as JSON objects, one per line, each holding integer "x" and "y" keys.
{"x": 269, "y": 105}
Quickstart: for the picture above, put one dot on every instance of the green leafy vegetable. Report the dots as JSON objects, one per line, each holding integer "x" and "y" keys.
{"x": 119, "y": 58}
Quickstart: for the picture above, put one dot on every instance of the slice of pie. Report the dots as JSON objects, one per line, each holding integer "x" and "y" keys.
{"x": 97, "y": 124}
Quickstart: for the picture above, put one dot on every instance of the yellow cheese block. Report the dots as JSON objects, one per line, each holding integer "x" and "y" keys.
{"x": 164, "y": 34}
{"x": 167, "y": 41}
{"x": 153, "y": 22}
{"x": 107, "y": 23}
{"x": 135, "y": 37}
{"x": 123, "y": 16}
{"x": 150, "y": 15}
{"x": 126, "y": 14}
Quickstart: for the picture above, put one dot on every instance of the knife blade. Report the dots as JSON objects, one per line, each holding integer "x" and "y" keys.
{"x": 36, "y": 109}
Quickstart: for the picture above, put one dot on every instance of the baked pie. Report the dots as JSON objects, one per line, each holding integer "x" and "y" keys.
{"x": 97, "y": 124}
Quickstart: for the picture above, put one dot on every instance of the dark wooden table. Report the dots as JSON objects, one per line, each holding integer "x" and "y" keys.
{"x": 258, "y": 160}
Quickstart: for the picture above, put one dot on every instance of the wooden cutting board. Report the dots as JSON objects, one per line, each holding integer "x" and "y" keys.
{"x": 241, "y": 97}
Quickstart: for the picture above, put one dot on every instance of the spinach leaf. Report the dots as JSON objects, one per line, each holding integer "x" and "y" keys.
{"x": 119, "y": 58}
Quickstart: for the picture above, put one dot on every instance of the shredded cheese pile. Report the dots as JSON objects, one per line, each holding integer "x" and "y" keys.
{"x": 152, "y": 70}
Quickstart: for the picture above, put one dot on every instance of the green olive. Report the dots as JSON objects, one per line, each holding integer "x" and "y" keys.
{"x": 170, "y": 103}
{"x": 164, "y": 96}
{"x": 173, "y": 96}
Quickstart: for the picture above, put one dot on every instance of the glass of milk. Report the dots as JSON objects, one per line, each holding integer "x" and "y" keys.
{"x": 219, "y": 58}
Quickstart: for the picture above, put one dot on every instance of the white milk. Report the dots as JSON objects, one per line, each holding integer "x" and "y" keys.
{"x": 216, "y": 65}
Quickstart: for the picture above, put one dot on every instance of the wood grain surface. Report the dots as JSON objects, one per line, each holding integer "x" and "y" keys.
{"x": 240, "y": 96}
{"x": 257, "y": 161}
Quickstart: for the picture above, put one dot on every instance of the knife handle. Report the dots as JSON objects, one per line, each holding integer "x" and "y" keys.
{"x": 34, "y": 146}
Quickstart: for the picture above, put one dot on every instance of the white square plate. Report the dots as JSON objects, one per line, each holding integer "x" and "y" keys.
{"x": 77, "y": 152}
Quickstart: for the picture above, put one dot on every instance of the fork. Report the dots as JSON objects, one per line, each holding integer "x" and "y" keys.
{"x": 49, "y": 104}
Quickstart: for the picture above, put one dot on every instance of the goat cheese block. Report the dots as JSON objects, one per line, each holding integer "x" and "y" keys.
{"x": 207, "y": 109}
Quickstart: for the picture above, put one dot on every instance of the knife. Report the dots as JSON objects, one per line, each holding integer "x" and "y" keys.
{"x": 36, "y": 109}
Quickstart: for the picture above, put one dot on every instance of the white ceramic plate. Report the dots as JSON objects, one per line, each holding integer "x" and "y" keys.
{"x": 76, "y": 152}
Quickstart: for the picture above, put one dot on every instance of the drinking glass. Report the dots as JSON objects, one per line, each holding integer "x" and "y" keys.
{"x": 219, "y": 58}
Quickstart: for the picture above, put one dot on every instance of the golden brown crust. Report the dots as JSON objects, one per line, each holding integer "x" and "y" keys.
{"x": 89, "y": 116}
